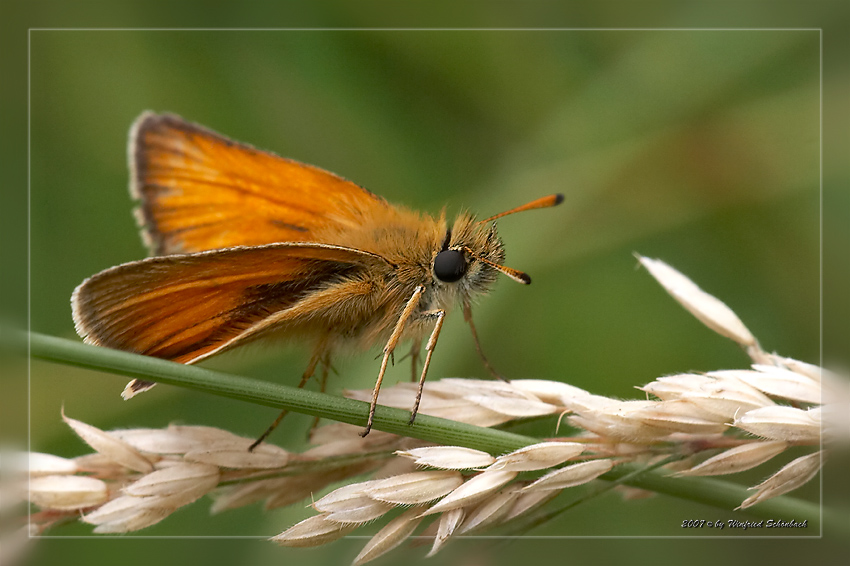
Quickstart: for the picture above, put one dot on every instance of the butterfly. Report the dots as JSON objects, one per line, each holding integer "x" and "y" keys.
{"x": 247, "y": 245}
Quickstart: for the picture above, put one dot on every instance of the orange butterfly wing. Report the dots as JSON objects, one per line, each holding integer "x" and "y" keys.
{"x": 202, "y": 191}
{"x": 186, "y": 307}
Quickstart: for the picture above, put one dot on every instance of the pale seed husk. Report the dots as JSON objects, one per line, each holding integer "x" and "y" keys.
{"x": 782, "y": 423}
{"x": 672, "y": 417}
{"x": 620, "y": 431}
{"x": 490, "y": 511}
{"x": 237, "y": 456}
{"x": 67, "y": 493}
{"x": 143, "y": 517}
{"x": 448, "y": 457}
{"x": 469, "y": 413}
{"x": 464, "y": 386}
{"x": 571, "y": 476}
{"x": 448, "y": 524}
{"x": 720, "y": 393}
{"x": 538, "y": 456}
{"x": 390, "y": 536}
{"x": 708, "y": 309}
{"x": 335, "y": 432}
{"x": 40, "y": 464}
{"x": 737, "y": 459}
{"x": 725, "y": 404}
{"x": 314, "y": 531}
{"x": 813, "y": 372}
{"x": 473, "y": 490}
{"x": 790, "y": 477}
{"x": 552, "y": 392}
{"x": 779, "y": 382}
{"x": 341, "y": 498}
{"x": 123, "y": 510}
{"x": 302, "y": 487}
{"x": 100, "y": 465}
{"x": 415, "y": 488}
{"x": 180, "y": 478}
{"x": 513, "y": 407}
{"x": 110, "y": 446}
{"x": 207, "y": 436}
{"x": 528, "y": 500}
{"x": 360, "y": 510}
{"x": 157, "y": 441}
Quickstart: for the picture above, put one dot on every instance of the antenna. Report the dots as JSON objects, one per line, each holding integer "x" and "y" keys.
{"x": 514, "y": 274}
{"x": 544, "y": 202}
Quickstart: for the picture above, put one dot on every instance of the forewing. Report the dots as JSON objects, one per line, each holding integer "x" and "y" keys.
{"x": 199, "y": 190}
{"x": 182, "y": 307}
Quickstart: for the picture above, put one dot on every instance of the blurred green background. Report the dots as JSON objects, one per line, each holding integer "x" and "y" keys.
{"x": 697, "y": 147}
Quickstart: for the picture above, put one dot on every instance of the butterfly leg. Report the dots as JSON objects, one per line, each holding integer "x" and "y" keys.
{"x": 308, "y": 373}
{"x": 467, "y": 316}
{"x": 414, "y": 359}
{"x": 388, "y": 350}
{"x": 429, "y": 349}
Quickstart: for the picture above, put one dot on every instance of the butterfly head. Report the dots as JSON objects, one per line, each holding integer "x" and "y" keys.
{"x": 472, "y": 253}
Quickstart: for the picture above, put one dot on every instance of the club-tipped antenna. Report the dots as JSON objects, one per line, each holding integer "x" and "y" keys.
{"x": 543, "y": 202}
{"x": 514, "y": 274}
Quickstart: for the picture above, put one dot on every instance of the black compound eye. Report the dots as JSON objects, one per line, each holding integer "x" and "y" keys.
{"x": 449, "y": 266}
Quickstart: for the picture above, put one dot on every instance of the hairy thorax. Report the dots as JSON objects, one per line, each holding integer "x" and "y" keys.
{"x": 409, "y": 241}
